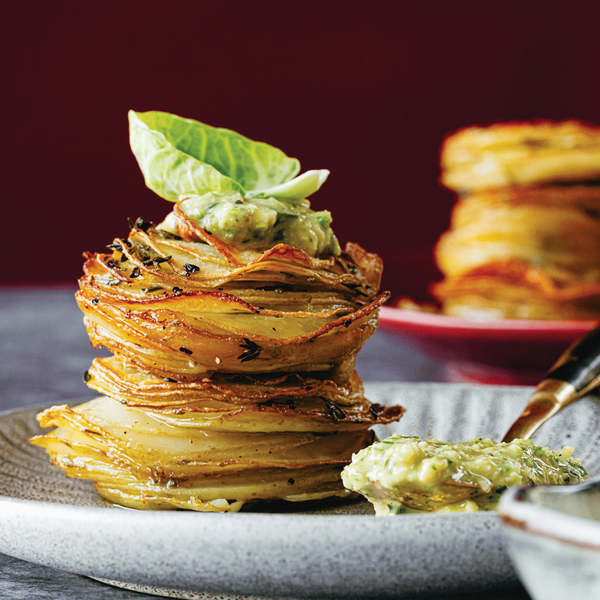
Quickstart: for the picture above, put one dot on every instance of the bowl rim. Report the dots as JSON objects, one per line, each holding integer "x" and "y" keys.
{"x": 518, "y": 512}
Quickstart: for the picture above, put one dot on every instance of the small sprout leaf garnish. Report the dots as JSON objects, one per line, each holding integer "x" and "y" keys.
{"x": 251, "y": 350}
{"x": 87, "y": 376}
{"x": 182, "y": 156}
{"x": 135, "y": 272}
{"x": 300, "y": 187}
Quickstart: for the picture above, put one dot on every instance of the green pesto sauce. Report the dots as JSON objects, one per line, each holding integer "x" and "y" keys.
{"x": 407, "y": 474}
{"x": 261, "y": 223}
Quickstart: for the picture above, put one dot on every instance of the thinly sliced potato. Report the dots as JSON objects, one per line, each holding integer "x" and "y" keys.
{"x": 232, "y": 378}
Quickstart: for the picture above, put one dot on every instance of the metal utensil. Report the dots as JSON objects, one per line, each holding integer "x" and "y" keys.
{"x": 575, "y": 373}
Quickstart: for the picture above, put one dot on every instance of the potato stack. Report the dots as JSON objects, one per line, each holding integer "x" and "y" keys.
{"x": 232, "y": 377}
{"x": 524, "y": 239}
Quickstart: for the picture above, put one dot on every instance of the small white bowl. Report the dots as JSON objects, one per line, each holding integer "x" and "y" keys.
{"x": 554, "y": 539}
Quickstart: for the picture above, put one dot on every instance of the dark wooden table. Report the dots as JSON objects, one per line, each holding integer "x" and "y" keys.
{"x": 44, "y": 352}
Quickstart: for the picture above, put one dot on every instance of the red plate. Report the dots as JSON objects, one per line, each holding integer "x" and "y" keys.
{"x": 514, "y": 352}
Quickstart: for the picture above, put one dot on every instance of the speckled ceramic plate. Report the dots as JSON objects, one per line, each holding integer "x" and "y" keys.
{"x": 333, "y": 551}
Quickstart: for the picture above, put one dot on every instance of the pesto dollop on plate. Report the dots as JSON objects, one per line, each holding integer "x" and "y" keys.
{"x": 407, "y": 474}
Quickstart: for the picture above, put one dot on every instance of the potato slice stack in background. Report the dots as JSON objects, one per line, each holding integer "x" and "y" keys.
{"x": 232, "y": 377}
{"x": 524, "y": 239}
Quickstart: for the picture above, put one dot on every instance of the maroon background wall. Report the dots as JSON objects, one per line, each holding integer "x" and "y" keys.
{"x": 365, "y": 89}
